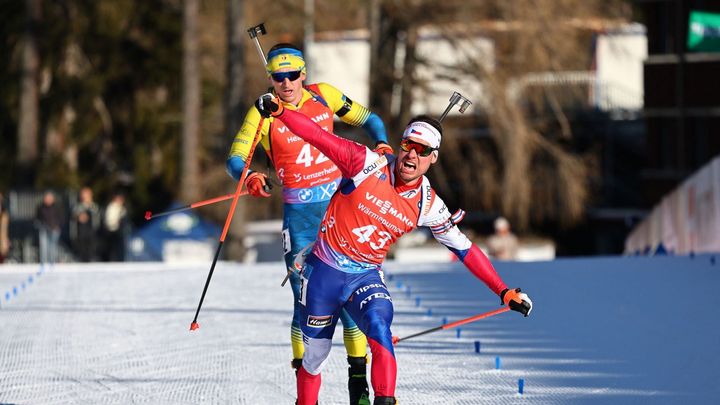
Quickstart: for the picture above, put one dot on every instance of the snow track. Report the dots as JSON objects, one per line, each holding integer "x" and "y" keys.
{"x": 603, "y": 331}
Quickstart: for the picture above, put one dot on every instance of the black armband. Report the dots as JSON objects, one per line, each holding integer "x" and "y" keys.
{"x": 347, "y": 105}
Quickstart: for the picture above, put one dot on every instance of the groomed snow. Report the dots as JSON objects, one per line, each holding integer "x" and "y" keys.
{"x": 603, "y": 331}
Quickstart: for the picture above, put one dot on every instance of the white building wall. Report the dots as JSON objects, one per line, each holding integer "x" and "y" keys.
{"x": 444, "y": 77}
{"x": 619, "y": 59}
{"x": 344, "y": 62}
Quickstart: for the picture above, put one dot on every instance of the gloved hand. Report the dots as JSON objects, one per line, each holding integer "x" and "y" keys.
{"x": 299, "y": 260}
{"x": 268, "y": 106}
{"x": 257, "y": 185}
{"x": 383, "y": 148}
{"x": 518, "y": 301}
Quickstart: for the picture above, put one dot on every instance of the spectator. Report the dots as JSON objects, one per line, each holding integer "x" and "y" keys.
{"x": 503, "y": 244}
{"x": 115, "y": 225}
{"x": 4, "y": 237}
{"x": 49, "y": 219}
{"x": 86, "y": 223}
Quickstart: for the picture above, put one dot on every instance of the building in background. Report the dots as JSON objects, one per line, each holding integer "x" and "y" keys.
{"x": 608, "y": 119}
{"x": 682, "y": 91}
{"x": 339, "y": 50}
{"x": 614, "y": 84}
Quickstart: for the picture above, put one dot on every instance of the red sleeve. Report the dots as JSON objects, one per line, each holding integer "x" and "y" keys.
{"x": 479, "y": 265}
{"x": 349, "y": 156}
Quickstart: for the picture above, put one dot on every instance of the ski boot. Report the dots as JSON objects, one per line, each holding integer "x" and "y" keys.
{"x": 296, "y": 364}
{"x": 357, "y": 381}
{"x": 385, "y": 401}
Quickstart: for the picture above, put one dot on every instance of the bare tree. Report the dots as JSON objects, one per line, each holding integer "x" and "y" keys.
{"x": 536, "y": 177}
{"x": 191, "y": 103}
{"x": 29, "y": 110}
{"x": 541, "y": 178}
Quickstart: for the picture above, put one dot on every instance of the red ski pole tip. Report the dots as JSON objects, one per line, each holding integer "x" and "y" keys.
{"x": 395, "y": 340}
{"x": 148, "y": 215}
{"x": 194, "y": 326}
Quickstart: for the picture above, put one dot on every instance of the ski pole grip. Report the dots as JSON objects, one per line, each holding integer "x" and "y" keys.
{"x": 258, "y": 29}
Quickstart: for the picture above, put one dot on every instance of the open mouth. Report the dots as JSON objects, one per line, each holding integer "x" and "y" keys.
{"x": 408, "y": 166}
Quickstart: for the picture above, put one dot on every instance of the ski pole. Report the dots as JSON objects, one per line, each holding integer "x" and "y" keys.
{"x": 149, "y": 214}
{"x": 253, "y": 32}
{"x": 194, "y": 325}
{"x": 454, "y": 99}
{"x": 451, "y": 325}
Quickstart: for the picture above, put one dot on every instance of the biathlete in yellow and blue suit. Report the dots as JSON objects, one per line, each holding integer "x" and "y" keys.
{"x": 308, "y": 179}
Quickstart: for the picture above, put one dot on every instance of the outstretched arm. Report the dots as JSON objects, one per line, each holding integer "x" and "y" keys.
{"x": 349, "y": 156}
{"x": 445, "y": 230}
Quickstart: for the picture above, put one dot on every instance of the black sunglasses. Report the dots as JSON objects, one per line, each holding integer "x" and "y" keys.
{"x": 423, "y": 150}
{"x": 281, "y": 76}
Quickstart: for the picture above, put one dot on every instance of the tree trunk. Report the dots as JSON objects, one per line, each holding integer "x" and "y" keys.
{"x": 191, "y": 104}
{"x": 29, "y": 115}
{"x": 408, "y": 80}
{"x": 383, "y": 46}
{"x": 236, "y": 37}
{"x": 235, "y": 113}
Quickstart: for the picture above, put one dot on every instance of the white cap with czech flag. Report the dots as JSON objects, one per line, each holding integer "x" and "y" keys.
{"x": 423, "y": 131}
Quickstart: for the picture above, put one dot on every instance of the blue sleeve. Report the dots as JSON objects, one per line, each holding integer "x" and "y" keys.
{"x": 234, "y": 167}
{"x": 375, "y": 128}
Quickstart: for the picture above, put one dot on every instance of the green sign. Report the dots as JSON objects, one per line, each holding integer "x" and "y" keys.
{"x": 704, "y": 32}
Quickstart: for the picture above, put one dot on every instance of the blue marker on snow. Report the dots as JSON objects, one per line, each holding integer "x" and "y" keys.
{"x": 7, "y": 296}
{"x": 457, "y": 333}
{"x": 407, "y": 291}
{"x": 497, "y": 363}
{"x": 521, "y": 385}
{"x": 14, "y": 290}
{"x": 477, "y": 346}
{"x": 429, "y": 312}
{"x": 417, "y": 301}
{"x": 30, "y": 279}
{"x": 444, "y": 320}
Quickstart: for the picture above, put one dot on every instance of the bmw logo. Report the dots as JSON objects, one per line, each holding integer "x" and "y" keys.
{"x": 305, "y": 195}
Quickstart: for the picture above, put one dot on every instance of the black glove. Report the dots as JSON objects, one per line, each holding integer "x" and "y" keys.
{"x": 518, "y": 301}
{"x": 267, "y": 106}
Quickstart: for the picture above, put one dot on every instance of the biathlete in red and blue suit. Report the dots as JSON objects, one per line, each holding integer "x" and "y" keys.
{"x": 380, "y": 198}
{"x": 308, "y": 179}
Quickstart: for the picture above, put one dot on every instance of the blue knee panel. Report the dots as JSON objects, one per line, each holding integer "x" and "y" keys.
{"x": 371, "y": 307}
